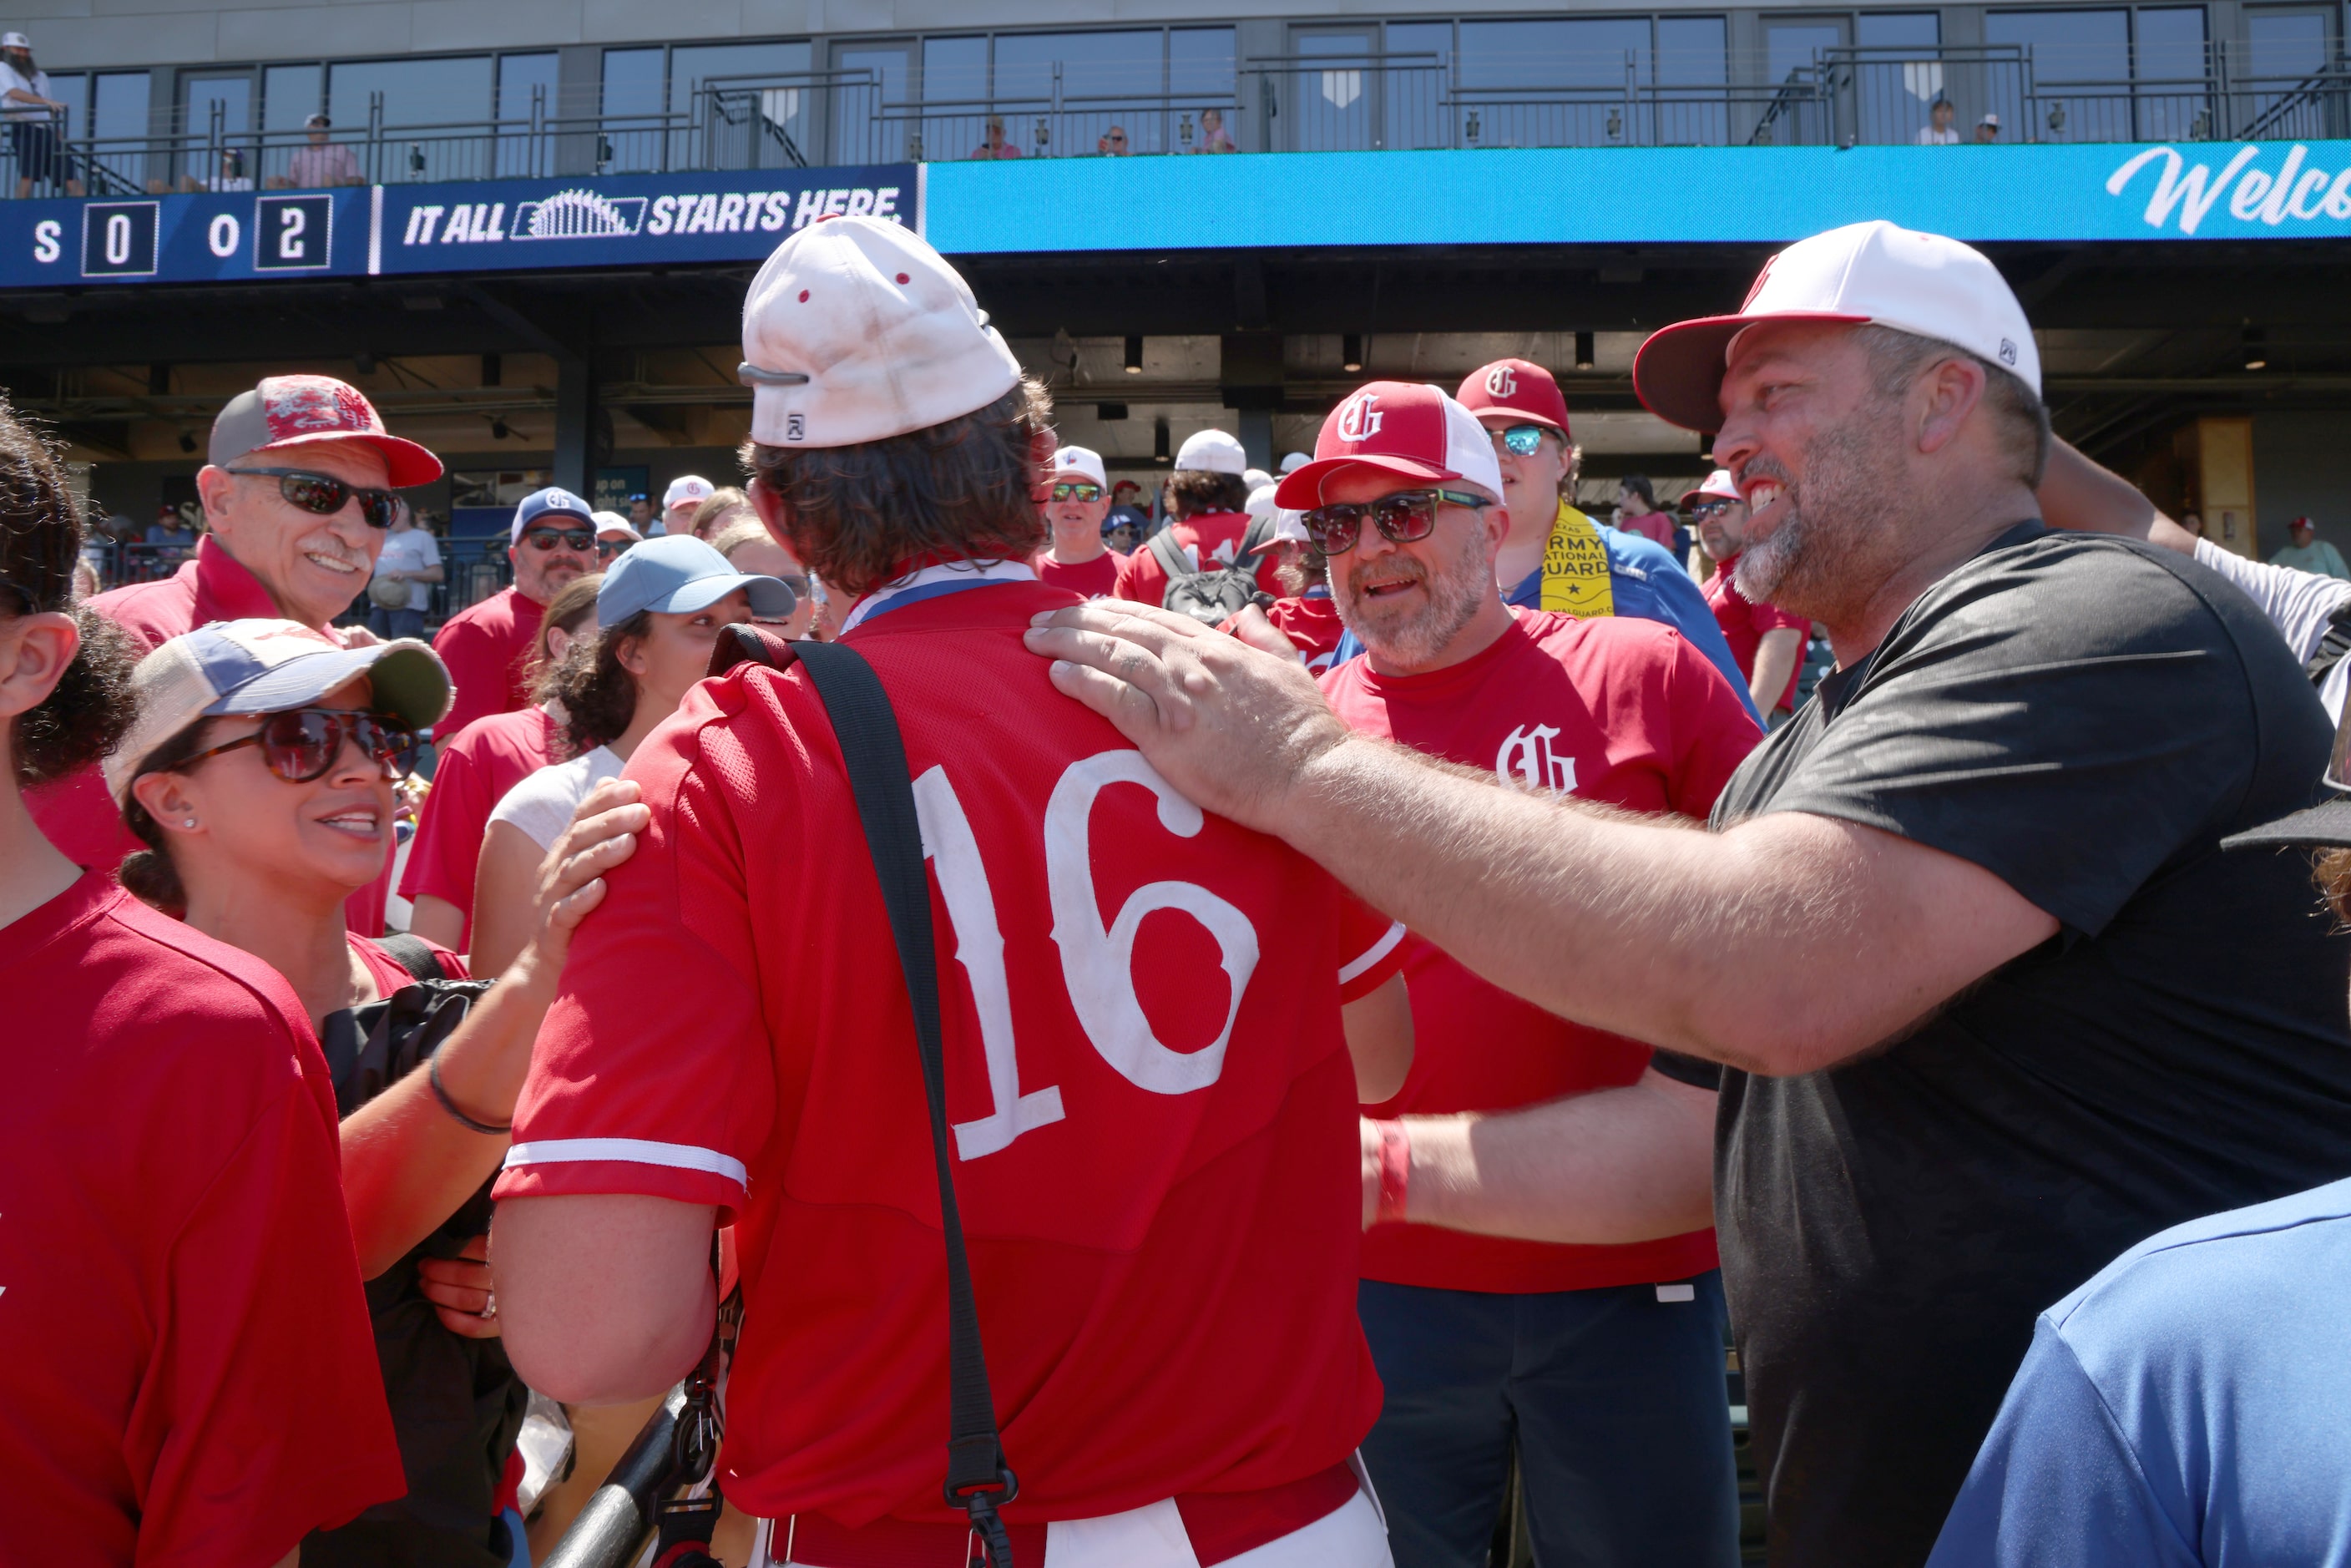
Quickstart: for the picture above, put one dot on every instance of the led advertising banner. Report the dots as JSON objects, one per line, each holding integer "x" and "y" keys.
{"x": 2195, "y": 191}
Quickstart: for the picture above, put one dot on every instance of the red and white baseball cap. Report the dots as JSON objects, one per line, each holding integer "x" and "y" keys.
{"x": 286, "y": 412}
{"x": 1404, "y": 428}
{"x": 857, "y": 330}
{"x": 1519, "y": 388}
{"x": 687, "y": 490}
{"x": 1719, "y": 486}
{"x": 1921, "y": 283}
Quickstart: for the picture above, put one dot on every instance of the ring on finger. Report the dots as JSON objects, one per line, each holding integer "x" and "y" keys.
{"x": 489, "y": 1306}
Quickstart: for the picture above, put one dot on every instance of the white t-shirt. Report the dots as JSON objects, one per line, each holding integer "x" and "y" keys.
{"x": 542, "y": 804}
{"x": 411, "y": 549}
{"x": 13, "y": 78}
{"x": 1930, "y": 137}
{"x": 2298, "y": 603}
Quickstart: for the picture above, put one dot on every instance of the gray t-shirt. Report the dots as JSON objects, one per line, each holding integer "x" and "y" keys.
{"x": 411, "y": 549}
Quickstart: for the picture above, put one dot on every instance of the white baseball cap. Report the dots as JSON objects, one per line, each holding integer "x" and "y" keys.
{"x": 613, "y": 523}
{"x": 1990, "y": 119}
{"x": 1255, "y": 477}
{"x": 1917, "y": 283}
{"x": 687, "y": 490}
{"x": 857, "y": 330}
{"x": 14, "y": 41}
{"x": 267, "y": 667}
{"x": 1293, "y": 462}
{"x": 1407, "y": 429}
{"x": 1079, "y": 462}
{"x": 1213, "y": 452}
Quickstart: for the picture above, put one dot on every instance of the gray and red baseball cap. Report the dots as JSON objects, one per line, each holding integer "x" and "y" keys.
{"x": 1519, "y": 388}
{"x": 284, "y": 412}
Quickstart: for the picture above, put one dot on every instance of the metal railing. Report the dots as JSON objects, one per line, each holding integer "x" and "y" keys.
{"x": 1279, "y": 103}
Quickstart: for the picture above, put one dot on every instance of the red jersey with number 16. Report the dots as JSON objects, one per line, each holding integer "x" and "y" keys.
{"x": 1615, "y": 710}
{"x": 1153, "y": 1108}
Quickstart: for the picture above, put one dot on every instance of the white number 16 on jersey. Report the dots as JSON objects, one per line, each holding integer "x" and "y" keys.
{"x": 1097, "y": 957}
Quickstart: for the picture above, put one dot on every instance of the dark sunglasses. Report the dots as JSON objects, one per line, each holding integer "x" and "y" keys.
{"x": 324, "y": 494}
{"x": 1077, "y": 491}
{"x": 607, "y": 548}
{"x": 580, "y": 540}
{"x": 1714, "y": 506}
{"x": 1523, "y": 440}
{"x": 1403, "y": 517}
{"x": 301, "y": 744}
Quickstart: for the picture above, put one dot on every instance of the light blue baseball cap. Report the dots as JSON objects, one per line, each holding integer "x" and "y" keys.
{"x": 678, "y": 574}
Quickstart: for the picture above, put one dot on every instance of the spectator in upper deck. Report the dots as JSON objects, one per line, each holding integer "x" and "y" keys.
{"x": 1939, "y": 131}
{"x": 319, "y": 163}
{"x": 1988, "y": 129}
{"x": 994, "y": 146}
{"x": 1214, "y": 137}
{"x": 1112, "y": 143}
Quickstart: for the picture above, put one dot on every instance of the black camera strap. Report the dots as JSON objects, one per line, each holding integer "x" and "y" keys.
{"x": 979, "y": 1481}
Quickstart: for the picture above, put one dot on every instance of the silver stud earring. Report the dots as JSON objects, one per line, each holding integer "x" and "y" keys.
{"x": 188, "y": 822}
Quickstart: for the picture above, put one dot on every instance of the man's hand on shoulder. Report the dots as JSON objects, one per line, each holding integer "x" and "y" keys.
{"x": 1232, "y": 726}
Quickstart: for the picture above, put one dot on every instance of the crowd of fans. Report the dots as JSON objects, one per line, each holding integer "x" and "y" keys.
{"x": 1422, "y": 971}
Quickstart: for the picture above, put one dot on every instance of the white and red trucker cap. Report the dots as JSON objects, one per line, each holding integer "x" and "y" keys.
{"x": 286, "y": 412}
{"x": 1922, "y": 284}
{"x": 857, "y": 330}
{"x": 1404, "y": 428}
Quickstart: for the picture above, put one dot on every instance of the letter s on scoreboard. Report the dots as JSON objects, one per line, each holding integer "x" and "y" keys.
{"x": 46, "y": 238}
{"x": 664, "y": 214}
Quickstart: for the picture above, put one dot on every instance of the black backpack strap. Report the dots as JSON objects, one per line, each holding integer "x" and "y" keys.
{"x": 979, "y": 1480}
{"x": 1170, "y": 555}
{"x": 1259, "y": 531}
{"x": 414, "y": 953}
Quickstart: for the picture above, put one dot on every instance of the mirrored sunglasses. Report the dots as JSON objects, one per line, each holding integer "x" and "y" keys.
{"x": 1402, "y": 518}
{"x": 323, "y": 495}
{"x": 1522, "y": 440}
{"x": 301, "y": 744}
{"x": 1077, "y": 490}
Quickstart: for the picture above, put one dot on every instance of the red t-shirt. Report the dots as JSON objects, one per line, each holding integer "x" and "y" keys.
{"x": 190, "y": 1375}
{"x": 487, "y": 649}
{"x": 1312, "y": 626}
{"x": 76, "y": 813}
{"x": 1655, "y": 527}
{"x": 1153, "y": 1102}
{"x": 1744, "y": 622}
{"x": 1096, "y": 578}
{"x": 1615, "y": 710}
{"x": 477, "y": 767}
{"x": 1217, "y": 536}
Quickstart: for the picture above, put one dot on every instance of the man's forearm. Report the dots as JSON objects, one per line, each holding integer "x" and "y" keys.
{"x": 1608, "y": 1169}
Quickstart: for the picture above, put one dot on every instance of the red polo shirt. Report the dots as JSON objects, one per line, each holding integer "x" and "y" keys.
{"x": 1744, "y": 622}
{"x": 76, "y": 812}
{"x": 487, "y": 650}
{"x": 189, "y": 1377}
{"x": 1619, "y": 711}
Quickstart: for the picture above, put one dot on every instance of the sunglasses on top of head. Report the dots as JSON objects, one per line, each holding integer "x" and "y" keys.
{"x": 1519, "y": 440}
{"x": 579, "y": 541}
{"x": 1402, "y": 518}
{"x": 1077, "y": 490}
{"x": 323, "y": 495}
{"x": 301, "y": 744}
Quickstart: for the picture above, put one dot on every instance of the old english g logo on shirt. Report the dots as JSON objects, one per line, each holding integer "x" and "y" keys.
{"x": 1526, "y": 758}
{"x": 1575, "y": 567}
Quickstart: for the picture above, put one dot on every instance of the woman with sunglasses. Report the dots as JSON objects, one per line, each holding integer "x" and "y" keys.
{"x": 191, "y": 1375}
{"x": 261, "y": 774}
{"x": 659, "y": 610}
{"x": 750, "y": 547}
{"x": 476, "y": 767}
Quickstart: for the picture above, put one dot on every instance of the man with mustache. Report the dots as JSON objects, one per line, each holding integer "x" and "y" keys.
{"x": 1983, "y": 1001}
{"x": 1603, "y": 1362}
{"x": 297, "y": 501}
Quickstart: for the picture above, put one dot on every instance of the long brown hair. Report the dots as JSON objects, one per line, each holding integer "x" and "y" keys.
{"x": 856, "y": 515}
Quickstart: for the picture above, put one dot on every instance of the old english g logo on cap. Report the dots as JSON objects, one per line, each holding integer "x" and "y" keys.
{"x": 1502, "y": 382}
{"x": 1359, "y": 420}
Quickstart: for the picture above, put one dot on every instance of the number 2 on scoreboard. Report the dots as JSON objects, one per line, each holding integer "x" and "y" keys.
{"x": 1097, "y": 959}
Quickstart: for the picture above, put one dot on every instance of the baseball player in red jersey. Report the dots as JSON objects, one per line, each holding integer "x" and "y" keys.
{"x": 1148, "y": 1015}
